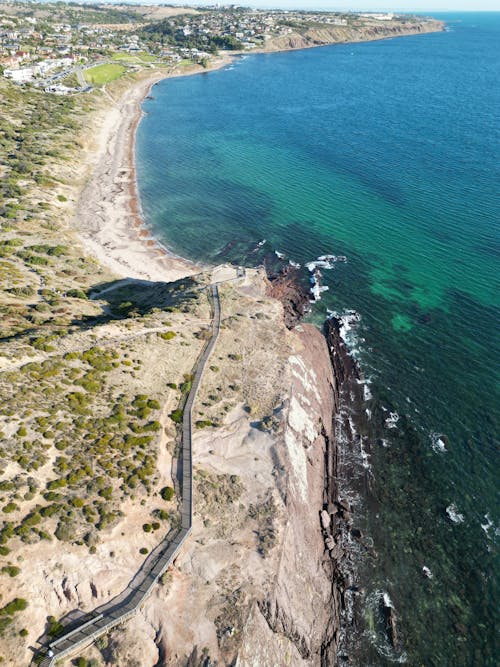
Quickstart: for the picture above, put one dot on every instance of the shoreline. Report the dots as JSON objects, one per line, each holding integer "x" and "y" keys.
{"x": 108, "y": 216}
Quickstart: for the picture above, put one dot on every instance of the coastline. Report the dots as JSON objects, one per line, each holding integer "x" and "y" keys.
{"x": 119, "y": 238}
{"x": 108, "y": 215}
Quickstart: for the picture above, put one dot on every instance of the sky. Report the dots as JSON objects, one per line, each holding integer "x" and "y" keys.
{"x": 369, "y": 5}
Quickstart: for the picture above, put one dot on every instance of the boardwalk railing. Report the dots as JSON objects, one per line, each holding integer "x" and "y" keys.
{"x": 129, "y": 601}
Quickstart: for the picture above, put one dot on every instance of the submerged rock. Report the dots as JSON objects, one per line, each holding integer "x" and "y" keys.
{"x": 389, "y": 615}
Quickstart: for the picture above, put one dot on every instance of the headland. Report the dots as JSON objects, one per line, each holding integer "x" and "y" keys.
{"x": 120, "y": 321}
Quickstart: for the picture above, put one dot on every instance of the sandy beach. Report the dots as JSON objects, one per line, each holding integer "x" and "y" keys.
{"x": 108, "y": 216}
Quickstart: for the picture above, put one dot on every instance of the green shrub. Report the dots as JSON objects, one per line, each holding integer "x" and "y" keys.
{"x": 56, "y": 484}
{"x": 168, "y": 335}
{"x": 54, "y": 628}
{"x": 167, "y": 493}
{"x": 147, "y": 527}
{"x": 176, "y": 416}
{"x": 76, "y": 294}
{"x": 203, "y": 423}
{"x": 10, "y": 507}
{"x": 11, "y": 570}
{"x": 185, "y": 387}
{"x": 143, "y": 551}
{"x": 15, "y": 605}
{"x": 152, "y": 426}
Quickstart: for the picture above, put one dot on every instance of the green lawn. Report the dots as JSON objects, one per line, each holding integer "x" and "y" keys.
{"x": 103, "y": 73}
{"x": 142, "y": 57}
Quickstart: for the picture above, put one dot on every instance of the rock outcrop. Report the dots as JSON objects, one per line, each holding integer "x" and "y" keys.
{"x": 260, "y": 581}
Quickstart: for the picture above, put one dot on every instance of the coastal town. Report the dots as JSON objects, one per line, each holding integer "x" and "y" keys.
{"x": 68, "y": 48}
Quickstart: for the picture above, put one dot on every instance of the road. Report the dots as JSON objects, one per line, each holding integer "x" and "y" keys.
{"x": 91, "y": 626}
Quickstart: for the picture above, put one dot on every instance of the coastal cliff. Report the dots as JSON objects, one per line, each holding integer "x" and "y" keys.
{"x": 372, "y": 30}
{"x": 268, "y": 524}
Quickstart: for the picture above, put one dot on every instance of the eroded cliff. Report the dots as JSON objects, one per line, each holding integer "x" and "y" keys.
{"x": 258, "y": 581}
{"x": 320, "y": 35}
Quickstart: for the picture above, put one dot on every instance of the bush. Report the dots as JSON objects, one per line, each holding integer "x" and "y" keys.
{"x": 10, "y": 507}
{"x": 11, "y": 570}
{"x": 76, "y": 294}
{"x": 202, "y": 423}
{"x": 15, "y": 605}
{"x": 147, "y": 527}
{"x": 167, "y": 493}
{"x": 54, "y": 628}
{"x": 143, "y": 551}
{"x": 168, "y": 335}
{"x": 65, "y": 531}
{"x": 176, "y": 416}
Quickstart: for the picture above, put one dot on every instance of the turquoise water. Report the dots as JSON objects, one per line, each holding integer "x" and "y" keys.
{"x": 387, "y": 152}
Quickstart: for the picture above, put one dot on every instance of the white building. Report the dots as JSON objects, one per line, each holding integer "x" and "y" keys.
{"x": 21, "y": 75}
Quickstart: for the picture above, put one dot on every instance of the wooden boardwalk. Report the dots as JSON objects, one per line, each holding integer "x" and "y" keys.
{"x": 91, "y": 626}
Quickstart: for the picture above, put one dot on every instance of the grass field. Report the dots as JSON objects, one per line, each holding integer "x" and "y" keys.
{"x": 142, "y": 57}
{"x": 103, "y": 73}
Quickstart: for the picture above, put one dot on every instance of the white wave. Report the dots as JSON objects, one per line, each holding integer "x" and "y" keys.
{"x": 279, "y": 255}
{"x": 367, "y": 394}
{"x": 332, "y": 258}
{"x": 427, "y": 572}
{"x": 392, "y": 420}
{"x": 347, "y": 320}
{"x": 261, "y": 243}
{"x": 453, "y": 514}
{"x": 488, "y": 526}
{"x": 316, "y": 291}
{"x": 437, "y": 442}
{"x": 365, "y": 459}
{"x": 375, "y": 633}
{"x": 325, "y": 262}
{"x": 293, "y": 264}
{"x": 387, "y": 600}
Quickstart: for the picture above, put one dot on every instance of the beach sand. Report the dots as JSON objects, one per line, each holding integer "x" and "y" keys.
{"x": 108, "y": 216}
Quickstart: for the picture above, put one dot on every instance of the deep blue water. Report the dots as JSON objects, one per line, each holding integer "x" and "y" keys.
{"x": 387, "y": 152}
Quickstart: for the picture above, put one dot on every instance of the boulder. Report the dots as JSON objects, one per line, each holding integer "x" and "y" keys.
{"x": 325, "y": 519}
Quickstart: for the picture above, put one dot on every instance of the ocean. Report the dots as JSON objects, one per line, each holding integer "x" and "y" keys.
{"x": 388, "y": 153}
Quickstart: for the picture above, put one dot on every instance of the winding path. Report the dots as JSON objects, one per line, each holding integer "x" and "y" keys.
{"x": 125, "y": 605}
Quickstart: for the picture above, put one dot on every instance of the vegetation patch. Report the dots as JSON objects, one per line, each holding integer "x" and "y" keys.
{"x": 102, "y": 74}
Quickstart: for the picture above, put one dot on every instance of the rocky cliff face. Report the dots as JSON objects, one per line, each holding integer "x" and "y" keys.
{"x": 260, "y": 582}
{"x": 341, "y": 34}
{"x": 298, "y": 613}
